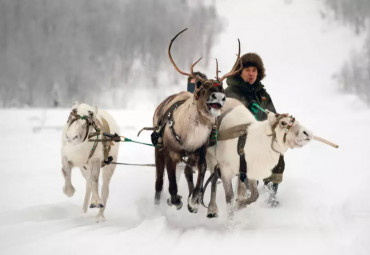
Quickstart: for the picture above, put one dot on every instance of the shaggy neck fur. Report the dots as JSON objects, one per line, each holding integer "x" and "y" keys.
{"x": 193, "y": 130}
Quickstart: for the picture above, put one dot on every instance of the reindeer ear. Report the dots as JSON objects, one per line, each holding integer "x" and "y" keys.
{"x": 271, "y": 117}
{"x": 75, "y": 105}
{"x": 95, "y": 110}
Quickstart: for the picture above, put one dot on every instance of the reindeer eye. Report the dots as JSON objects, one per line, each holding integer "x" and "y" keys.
{"x": 283, "y": 123}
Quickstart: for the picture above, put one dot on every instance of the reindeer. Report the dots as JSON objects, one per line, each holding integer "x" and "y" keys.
{"x": 183, "y": 124}
{"x": 264, "y": 141}
{"x": 85, "y": 122}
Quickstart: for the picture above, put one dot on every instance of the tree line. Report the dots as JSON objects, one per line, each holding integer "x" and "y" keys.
{"x": 53, "y": 51}
{"x": 354, "y": 76}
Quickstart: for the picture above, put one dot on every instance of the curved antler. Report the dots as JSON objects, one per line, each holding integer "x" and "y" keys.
{"x": 233, "y": 71}
{"x": 191, "y": 74}
{"x": 217, "y": 70}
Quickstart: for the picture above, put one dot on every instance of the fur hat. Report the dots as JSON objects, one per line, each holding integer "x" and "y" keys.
{"x": 198, "y": 74}
{"x": 252, "y": 59}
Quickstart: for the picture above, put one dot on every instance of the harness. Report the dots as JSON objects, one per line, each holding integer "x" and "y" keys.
{"x": 167, "y": 118}
{"x": 98, "y": 127}
{"x": 279, "y": 117}
{"x": 240, "y": 132}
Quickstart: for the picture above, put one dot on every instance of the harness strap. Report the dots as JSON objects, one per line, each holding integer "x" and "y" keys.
{"x": 106, "y": 145}
{"x": 99, "y": 127}
{"x": 167, "y": 118}
{"x": 93, "y": 149}
{"x": 222, "y": 116}
{"x": 243, "y": 164}
{"x": 279, "y": 117}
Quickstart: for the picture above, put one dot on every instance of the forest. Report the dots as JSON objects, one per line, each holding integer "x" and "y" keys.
{"x": 54, "y": 51}
{"x": 354, "y": 77}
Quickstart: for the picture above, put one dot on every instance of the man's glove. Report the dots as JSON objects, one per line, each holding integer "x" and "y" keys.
{"x": 256, "y": 110}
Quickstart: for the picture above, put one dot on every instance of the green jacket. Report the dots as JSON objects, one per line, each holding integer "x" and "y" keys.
{"x": 245, "y": 93}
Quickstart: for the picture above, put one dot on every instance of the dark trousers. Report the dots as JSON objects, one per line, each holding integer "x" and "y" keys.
{"x": 277, "y": 172}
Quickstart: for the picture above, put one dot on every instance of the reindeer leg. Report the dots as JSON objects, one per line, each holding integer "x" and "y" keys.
{"x": 107, "y": 176}
{"x": 212, "y": 206}
{"x": 94, "y": 182}
{"x": 229, "y": 194}
{"x": 243, "y": 200}
{"x": 159, "y": 163}
{"x": 86, "y": 174}
{"x": 195, "y": 198}
{"x": 171, "y": 173}
{"x": 68, "y": 188}
{"x": 189, "y": 174}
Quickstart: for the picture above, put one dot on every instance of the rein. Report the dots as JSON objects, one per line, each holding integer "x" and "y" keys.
{"x": 117, "y": 138}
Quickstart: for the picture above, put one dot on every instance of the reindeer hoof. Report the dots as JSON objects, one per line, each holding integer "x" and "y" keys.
{"x": 192, "y": 210}
{"x": 178, "y": 207}
{"x": 100, "y": 205}
{"x": 274, "y": 203}
{"x": 212, "y": 215}
{"x": 100, "y": 218}
{"x": 196, "y": 197}
{"x": 69, "y": 191}
{"x": 176, "y": 203}
{"x": 92, "y": 205}
{"x": 193, "y": 202}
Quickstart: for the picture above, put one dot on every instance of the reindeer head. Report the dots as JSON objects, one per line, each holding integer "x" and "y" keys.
{"x": 81, "y": 118}
{"x": 287, "y": 131}
{"x": 209, "y": 95}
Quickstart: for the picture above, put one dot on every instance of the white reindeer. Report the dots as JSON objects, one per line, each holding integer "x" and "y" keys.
{"x": 265, "y": 141}
{"x": 86, "y": 122}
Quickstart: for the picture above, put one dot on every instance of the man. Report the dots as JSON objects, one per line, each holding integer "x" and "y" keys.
{"x": 193, "y": 83}
{"x": 246, "y": 86}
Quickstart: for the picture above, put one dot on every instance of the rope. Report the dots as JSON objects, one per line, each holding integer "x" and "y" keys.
{"x": 125, "y": 139}
{"x": 117, "y": 138}
{"x": 128, "y": 164}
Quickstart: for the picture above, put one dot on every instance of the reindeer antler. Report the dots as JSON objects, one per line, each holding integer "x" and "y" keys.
{"x": 233, "y": 71}
{"x": 191, "y": 74}
{"x": 217, "y": 71}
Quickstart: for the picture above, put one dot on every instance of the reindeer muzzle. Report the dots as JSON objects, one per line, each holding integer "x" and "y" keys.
{"x": 215, "y": 102}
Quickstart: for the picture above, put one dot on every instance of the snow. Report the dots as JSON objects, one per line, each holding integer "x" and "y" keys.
{"x": 325, "y": 205}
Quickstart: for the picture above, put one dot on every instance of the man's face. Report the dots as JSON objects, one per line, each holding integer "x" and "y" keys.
{"x": 249, "y": 74}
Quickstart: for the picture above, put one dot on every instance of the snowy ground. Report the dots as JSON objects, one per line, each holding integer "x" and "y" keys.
{"x": 325, "y": 206}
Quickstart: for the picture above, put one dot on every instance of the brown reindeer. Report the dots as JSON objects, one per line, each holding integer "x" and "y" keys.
{"x": 183, "y": 124}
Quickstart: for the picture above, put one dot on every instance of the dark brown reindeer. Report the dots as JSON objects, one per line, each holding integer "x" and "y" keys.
{"x": 183, "y": 124}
